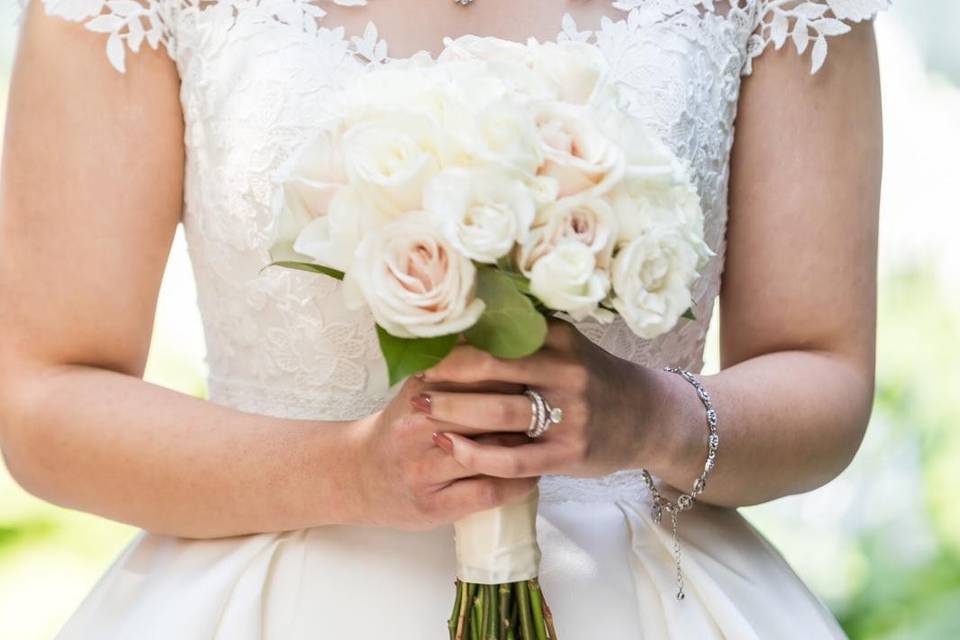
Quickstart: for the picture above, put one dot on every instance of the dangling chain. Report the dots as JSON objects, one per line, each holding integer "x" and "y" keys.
{"x": 462, "y": 3}
{"x": 686, "y": 500}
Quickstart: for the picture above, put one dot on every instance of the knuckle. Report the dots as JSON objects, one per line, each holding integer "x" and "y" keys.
{"x": 579, "y": 451}
{"x": 410, "y": 476}
{"x": 409, "y": 424}
{"x": 516, "y": 466}
{"x": 424, "y": 502}
{"x": 490, "y": 494}
{"x": 579, "y": 411}
{"x": 410, "y": 386}
{"x": 505, "y": 412}
{"x": 577, "y": 377}
{"x": 467, "y": 457}
{"x": 564, "y": 333}
{"x": 487, "y": 365}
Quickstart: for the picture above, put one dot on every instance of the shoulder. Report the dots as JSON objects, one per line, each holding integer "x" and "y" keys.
{"x": 127, "y": 25}
{"x": 805, "y": 25}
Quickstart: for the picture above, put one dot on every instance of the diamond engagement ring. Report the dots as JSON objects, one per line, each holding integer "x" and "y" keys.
{"x": 542, "y": 415}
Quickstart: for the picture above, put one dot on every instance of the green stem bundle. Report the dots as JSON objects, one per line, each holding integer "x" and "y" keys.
{"x": 512, "y": 611}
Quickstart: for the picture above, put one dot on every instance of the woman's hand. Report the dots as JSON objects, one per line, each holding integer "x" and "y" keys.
{"x": 604, "y": 399}
{"x": 407, "y": 482}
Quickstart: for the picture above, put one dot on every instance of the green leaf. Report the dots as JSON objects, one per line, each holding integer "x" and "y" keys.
{"x": 505, "y": 264}
{"x": 521, "y": 281}
{"x": 689, "y": 314}
{"x": 307, "y": 266}
{"x": 407, "y": 356}
{"x": 510, "y": 327}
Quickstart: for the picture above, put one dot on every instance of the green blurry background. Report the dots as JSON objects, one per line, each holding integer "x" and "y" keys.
{"x": 880, "y": 544}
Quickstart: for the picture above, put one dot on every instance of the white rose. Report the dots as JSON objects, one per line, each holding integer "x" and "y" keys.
{"x": 331, "y": 240}
{"x": 567, "y": 279}
{"x": 509, "y": 61}
{"x": 544, "y": 188}
{"x": 589, "y": 221}
{"x": 449, "y": 94}
{"x": 576, "y": 69}
{"x": 469, "y": 47}
{"x": 646, "y": 154}
{"x": 393, "y": 155}
{"x": 309, "y": 183}
{"x": 641, "y": 205}
{"x": 414, "y": 282}
{"x": 506, "y": 134}
{"x": 644, "y": 204}
{"x": 577, "y": 153}
{"x": 652, "y": 278}
{"x": 484, "y": 213}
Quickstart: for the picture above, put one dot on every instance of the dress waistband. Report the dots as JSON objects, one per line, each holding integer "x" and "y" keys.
{"x": 620, "y": 485}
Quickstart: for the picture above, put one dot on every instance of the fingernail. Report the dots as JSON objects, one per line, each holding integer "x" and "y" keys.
{"x": 443, "y": 442}
{"x": 420, "y": 375}
{"x": 422, "y": 402}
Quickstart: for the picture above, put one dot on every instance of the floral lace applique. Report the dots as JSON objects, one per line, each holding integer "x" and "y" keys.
{"x": 255, "y": 75}
{"x": 131, "y": 23}
{"x": 128, "y": 23}
{"x": 806, "y": 24}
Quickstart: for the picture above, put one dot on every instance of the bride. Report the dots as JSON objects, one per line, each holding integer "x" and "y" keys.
{"x": 306, "y": 500}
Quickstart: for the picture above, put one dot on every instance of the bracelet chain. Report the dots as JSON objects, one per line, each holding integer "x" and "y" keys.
{"x": 686, "y": 500}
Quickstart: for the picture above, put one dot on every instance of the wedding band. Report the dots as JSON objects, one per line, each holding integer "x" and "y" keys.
{"x": 538, "y": 413}
{"x": 533, "y": 412}
{"x": 542, "y": 415}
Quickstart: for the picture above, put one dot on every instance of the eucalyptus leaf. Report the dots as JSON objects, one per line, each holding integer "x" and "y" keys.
{"x": 407, "y": 356}
{"x": 510, "y": 327}
{"x": 307, "y": 266}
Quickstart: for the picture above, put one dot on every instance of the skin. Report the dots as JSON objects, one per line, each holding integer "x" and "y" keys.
{"x": 797, "y": 309}
{"x": 83, "y": 245}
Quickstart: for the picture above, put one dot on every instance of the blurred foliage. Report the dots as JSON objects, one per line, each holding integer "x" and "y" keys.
{"x": 919, "y": 346}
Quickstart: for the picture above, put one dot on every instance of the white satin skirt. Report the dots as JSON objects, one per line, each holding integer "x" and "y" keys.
{"x": 607, "y": 573}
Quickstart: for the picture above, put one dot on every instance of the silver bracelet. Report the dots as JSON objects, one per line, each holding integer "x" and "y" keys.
{"x": 685, "y": 500}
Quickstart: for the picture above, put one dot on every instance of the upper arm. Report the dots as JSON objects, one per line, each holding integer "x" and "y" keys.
{"x": 90, "y": 196}
{"x": 800, "y": 270}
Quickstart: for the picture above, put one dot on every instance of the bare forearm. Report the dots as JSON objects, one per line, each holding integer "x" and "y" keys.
{"x": 131, "y": 451}
{"x": 789, "y": 422}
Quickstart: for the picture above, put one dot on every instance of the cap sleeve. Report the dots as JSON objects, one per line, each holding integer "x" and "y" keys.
{"x": 127, "y": 24}
{"x": 805, "y": 24}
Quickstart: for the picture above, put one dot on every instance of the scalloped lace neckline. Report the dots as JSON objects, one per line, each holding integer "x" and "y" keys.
{"x": 370, "y": 47}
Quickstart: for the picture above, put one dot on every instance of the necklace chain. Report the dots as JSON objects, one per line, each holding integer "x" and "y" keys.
{"x": 463, "y": 3}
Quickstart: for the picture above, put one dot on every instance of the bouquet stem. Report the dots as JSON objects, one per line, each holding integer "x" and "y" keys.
{"x": 510, "y": 611}
{"x": 503, "y": 622}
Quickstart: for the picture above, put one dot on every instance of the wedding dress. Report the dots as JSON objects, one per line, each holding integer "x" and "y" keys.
{"x": 254, "y": 76}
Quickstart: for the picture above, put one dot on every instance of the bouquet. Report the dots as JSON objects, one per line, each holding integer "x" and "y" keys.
{"x": 469, "y": 197}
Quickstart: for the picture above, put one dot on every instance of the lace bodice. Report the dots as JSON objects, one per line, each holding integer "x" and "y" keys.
{"x": 254, "y": 74}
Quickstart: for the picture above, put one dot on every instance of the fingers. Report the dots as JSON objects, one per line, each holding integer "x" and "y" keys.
{"x": 473, "y": 413}
{"x": 437, "y": 467}
{"x": 477, "y": 387}
{"x": 464, "y": 497}
{"x": 521, "y": 461}
{"x": 502, "y": 439}
{"x": 561, "y": 335}
{"x": 468, "y": 365}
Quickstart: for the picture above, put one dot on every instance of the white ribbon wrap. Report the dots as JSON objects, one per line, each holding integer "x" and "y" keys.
{"x": 499, "y": 545}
